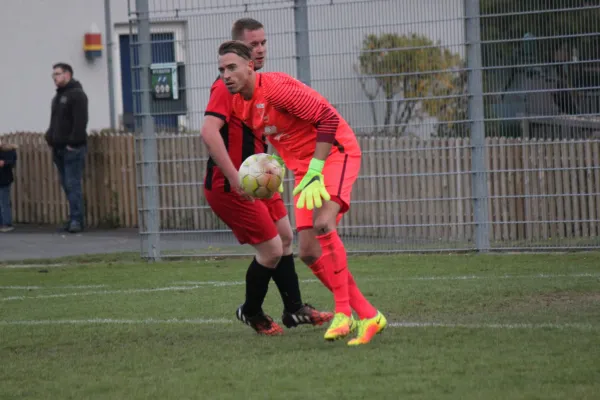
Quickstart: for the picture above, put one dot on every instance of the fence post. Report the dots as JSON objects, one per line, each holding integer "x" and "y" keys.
{"x": 302, "y": 41}
{"x": 149, "y": 218}
{"x": 476, "y": 116}
{"x": 110, "y": 65}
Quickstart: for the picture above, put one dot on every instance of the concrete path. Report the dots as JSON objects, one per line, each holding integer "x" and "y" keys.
{"x": 43, "y": 242}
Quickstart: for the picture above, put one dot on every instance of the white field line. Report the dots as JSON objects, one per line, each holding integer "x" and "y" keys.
{"x": 216, "y": 321}
{"x": 419, "y": 278}
{"x": 104, "y": 292}
{"x": 111, "y": 321}
{"x": 579, "y": 326}
{"x": 192, "y": 285}
{"x": 19, "y": 266}
{"x": 51, "y": 287}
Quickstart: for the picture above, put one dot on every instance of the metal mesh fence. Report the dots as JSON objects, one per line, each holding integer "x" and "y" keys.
{"x": 541, "y": 63}
{"x": 478, "y": 119}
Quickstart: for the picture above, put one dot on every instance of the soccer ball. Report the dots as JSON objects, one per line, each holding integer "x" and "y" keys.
{"x": 260, "y": 176}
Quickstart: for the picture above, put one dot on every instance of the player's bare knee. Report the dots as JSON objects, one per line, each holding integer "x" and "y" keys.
{"x": 269, "y": 253}
{"x": 309, "y": 249}
{"x": 324, "y": 223}
{"x": 286, "y": 244}
{"x": 268, "y": 260}
{"x": 324, "y": 220}
{"x": 308, "y": 257}
{"x": 285, "y": 233}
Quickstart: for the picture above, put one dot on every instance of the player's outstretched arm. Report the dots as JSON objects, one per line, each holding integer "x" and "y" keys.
{"x": 218, "y": 112}
{"x": 218, "y": 152}
{"x": 211, "y": 137}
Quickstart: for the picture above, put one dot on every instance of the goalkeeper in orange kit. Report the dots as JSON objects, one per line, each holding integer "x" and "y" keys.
{"x": 320, "y": 148}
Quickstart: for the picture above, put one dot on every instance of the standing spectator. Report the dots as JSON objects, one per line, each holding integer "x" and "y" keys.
{"x": 67, "y": 137}
{"x": 8, "y": 158}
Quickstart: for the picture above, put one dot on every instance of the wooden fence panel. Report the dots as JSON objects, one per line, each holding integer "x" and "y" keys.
{"x": 408, "y": 187}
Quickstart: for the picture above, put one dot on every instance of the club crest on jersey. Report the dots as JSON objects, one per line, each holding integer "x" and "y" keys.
{"x": 270, "y": 130}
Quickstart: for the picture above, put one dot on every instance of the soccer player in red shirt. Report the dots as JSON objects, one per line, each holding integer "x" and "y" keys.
{"x": 319, "y": 146}
{"x": 264, "y": 224}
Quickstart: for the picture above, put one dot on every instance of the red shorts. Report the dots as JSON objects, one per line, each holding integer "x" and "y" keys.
{"x": 340, "y": 172}
{"x": 250, "y": 222}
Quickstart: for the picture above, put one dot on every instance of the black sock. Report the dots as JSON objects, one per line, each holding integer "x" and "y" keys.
{"x": 286, "y": 279}
{"x": 257, "y": 285}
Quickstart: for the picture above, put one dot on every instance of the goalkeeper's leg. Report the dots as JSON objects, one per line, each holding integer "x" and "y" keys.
{"x": 295, "y": 312}
{"x": 323, "y": 251}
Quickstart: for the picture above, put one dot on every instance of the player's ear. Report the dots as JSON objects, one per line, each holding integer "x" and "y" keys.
{"x": 251, "y": 65}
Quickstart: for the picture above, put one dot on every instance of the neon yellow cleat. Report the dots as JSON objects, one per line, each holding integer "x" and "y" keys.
{"x": 341, "y": 326}
{"x": 367, "y": 328}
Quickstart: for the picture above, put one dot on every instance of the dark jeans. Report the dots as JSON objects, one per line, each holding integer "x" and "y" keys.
{"x": 5, "y": 206}
{"x": 70, "y": 165}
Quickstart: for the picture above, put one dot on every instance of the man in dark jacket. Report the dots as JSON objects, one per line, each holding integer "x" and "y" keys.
{"x": 8, "y": 158}
{"x": 67, "y": 136}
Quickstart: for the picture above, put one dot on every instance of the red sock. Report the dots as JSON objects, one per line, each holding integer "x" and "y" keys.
{"x": 319, "y": 271}
{"x": 335, "y": 263}
{"x": 358, "y": 302}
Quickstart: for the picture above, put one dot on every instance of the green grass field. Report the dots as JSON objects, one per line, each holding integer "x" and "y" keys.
{"x": 461, "y": 327}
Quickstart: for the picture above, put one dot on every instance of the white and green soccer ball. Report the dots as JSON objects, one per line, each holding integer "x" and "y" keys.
{"x": 260, "y": 176}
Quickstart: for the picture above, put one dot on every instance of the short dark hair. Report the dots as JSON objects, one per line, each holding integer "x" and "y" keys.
{"x": 236, "y": 47}
{"x": 243, "y": 24}
{"x": 64, "y": 66}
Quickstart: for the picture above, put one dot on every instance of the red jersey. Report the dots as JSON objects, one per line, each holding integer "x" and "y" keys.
{"x": 294, "y": 117}
{"x": 239, "y": 139}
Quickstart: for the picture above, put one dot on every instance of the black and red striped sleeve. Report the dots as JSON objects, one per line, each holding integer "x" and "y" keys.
{"x": 292, "y": 96}
{"x": 220, "y": 101}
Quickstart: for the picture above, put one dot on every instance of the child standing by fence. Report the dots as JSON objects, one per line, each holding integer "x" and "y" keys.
{"x": 8, "y": 158}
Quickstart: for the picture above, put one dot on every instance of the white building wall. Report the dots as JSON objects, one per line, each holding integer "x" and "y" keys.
{"x": 35, "y": 34}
